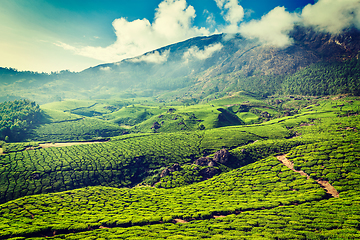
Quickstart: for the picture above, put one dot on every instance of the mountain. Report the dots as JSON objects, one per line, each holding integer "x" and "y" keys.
{"x": 220, "y": 148}
{"x": 189, "y": 66}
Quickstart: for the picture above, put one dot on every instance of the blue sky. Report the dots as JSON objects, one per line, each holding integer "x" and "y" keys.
{"x": 53, "y": 35}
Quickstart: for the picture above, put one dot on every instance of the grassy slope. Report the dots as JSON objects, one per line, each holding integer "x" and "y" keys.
{"x": 61, "y": 124}
{"x": 74, "y": 120}
{"x": 261, "y": 200}
{"x": 329, "y": 150}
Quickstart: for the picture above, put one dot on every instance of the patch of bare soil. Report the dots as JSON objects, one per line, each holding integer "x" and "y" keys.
{"x": 290, "y": 165}
{"x": 220, "y": 216}
{"x": 324, "y": 184}
{"x": 1, "y": 151}
{"x": 47, "y": 145}
{"x": 306, "y": 124}
{"x": 329, "y": 188}
{"x": 104, "y": 227}
{"x": 177, "y": 220}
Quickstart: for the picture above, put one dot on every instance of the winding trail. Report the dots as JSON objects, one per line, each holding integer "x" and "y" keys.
{"x": 324, "y": 184}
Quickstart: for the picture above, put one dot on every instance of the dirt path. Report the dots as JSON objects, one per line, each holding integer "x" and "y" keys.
{"x": 1, "y": 151}
{"x": 290, "y": 165}
{"x": 47, "y": 145}
{"x": 324, "y": 184}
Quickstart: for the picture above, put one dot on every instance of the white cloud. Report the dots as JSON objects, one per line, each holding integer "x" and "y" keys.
{"x": 210, "y": 19}
{"x": 172, "y": 23}
{"x": 155, "y": 57}
{"x": 233, "y": 14}
{"x": 195, "y": 52}
{"x": 105, "y": 68}
{"x": 272, "y": 28}
{"x": 332, "y": 15}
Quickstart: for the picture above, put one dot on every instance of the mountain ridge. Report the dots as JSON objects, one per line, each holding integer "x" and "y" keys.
{"x": 183, "y": 65}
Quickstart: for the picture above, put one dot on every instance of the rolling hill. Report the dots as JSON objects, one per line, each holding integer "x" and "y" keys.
{"x": 215, "y": 137}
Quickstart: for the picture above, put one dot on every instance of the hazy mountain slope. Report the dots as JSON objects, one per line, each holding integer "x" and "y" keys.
{"x": 184, "y": 65}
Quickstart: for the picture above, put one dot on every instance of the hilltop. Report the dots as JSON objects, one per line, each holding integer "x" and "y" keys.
{"x": 200, "y": 68}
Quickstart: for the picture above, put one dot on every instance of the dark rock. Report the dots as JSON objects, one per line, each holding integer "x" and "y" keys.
{"x": 156, "y": 125}
{"x": 265, "y": 114}
{"x": 222, "y": 156}
{"x": 211, "y": 163}
{"x": 35, "y": 176}
{"x": 175, "y": 167}
{"x": 164, "y": 173}
{"x": 209, "y": 172}
{"x": 203, "y": 161}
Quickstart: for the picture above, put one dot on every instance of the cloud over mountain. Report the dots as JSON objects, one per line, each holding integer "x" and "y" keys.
{"x": 172, "y": 23}
{"x": 233, "y": 14}
{"x": 332, "y": 16}
{"x": 155, "y": 57}
{"x": 272, "y": 28}
{"x": 195, "y": 52}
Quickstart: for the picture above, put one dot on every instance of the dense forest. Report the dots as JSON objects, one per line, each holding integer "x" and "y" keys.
{"x": 320, "y": 79}
{"x": 16, "y": 117}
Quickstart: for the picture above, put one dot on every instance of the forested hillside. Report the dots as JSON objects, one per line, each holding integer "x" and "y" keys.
{"x": 17, "y": 117}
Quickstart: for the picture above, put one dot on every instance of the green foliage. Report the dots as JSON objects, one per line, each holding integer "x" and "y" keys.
{"x": 325, "y": 79}
{"x": 261, "y": 149}
{"x": 187, "y": 175}
{"x": 16, "y": 118}
{"x": 124, "y": 161}
{"x": 260, "y": 199}
{"x": 256, "y": 186}
{"x": 73, "y": 130}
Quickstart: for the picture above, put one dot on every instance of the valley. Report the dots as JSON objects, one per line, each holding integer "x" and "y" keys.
{"x": 251, "y": 142}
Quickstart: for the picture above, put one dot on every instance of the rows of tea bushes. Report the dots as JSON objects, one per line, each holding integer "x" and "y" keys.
{"x": 265, "y": 184}
{"x": 186, "y": 175}
{"x": 325, "y": 219}
{"x": 16, "y": 147}
{"x": 263, "y": 199}
{"x": 118, "y": 163}
{"x": 124, "y": 161}
{"x": 336, "y": 161}
{"x": 79, "y": 129}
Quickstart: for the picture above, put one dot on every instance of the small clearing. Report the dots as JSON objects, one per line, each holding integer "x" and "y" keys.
{"x": 177, "y": 220}
{"x": 324, "y": 184}
{"x": 47, "y": 145}
{"x": 66, "y": 144}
